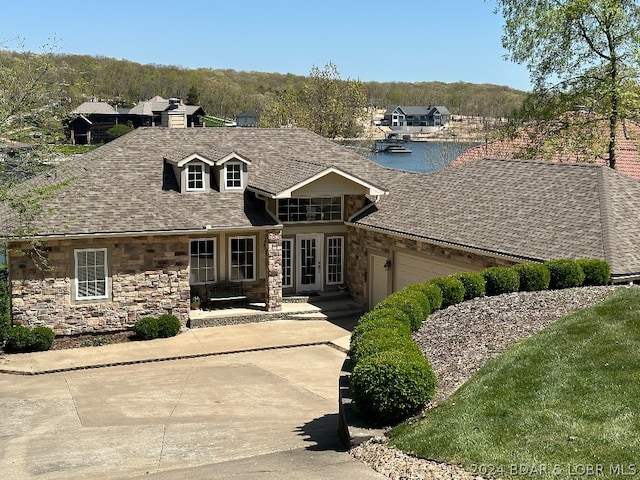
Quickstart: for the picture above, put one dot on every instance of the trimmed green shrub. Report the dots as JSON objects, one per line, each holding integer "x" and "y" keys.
{"x": 168, "y": 325}
{"x": 382, "y": 318}
{"x": 378, "y": 340}
{"x": 474, "y": 284}
{"x": 5, "y": 311}
{"x": 418, "y": 295}
{"x": 432, "y": 292}
{"x": 408, "y": 302}
{"x": 596, "y": 271}
{"x": 41, "y": 338}
{"x": 564, "y": 273}
{"x": 18, "y": 339}
{"x": 500, "y": 280}
{"x": 533, "y": 276}
{"x": 452, "y": 290}
{"x": 146, "y": 328}
{"x": 390, "y": 386}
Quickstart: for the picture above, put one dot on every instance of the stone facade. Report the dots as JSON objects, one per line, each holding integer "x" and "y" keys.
{"x": 361, "y": 242}
{"x": 149, "y": 275}
{"x": 273, "y": 257}
{"x": 352, "y": 204}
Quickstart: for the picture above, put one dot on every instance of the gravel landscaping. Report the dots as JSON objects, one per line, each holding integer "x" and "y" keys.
{"x": 458, "y": 341}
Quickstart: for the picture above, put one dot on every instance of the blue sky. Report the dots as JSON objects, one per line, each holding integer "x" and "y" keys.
{"x": 385, "y": 41}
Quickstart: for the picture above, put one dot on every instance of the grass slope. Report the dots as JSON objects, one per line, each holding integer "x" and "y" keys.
{"x": 562, "y": 404}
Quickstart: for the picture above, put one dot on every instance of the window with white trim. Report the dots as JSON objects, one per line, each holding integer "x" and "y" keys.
{"x": 335, "y": 260}
{"x": 195, "y": 177}
{"x": 242, "y": 258}
{"x": 309, "y": 209}
{"x": 91, "y": 273}
{"x": 233, "y": 175}
{"x": 202, "y": 261}
{"x": 287, "y": 262}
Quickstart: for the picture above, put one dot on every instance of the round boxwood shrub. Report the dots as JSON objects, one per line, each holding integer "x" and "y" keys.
{"x": 168, "y": 325}
{"x": 417, "y": 293}
{"x": 432, "y": 292}
{"x": 500, "y": 280}
{"x": 41, "y": 338}
{"x": 474, "y": 284}
{"x": 382, "y": 318}
{"x": 146, "y": 328}
{"x": 533, "y": 276}
{"x": 18, "y": 339}
{"x": 452, "y": 290}
{"x": 596, "y": 271}
{"x": 390, "y": 386}
{"x": 379, "y": 340}
{"x": 409, "y": 303}
{"x": 564, "y": 273}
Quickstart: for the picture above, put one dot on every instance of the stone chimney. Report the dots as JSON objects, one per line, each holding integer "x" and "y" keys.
{"x": 175, "y": 116}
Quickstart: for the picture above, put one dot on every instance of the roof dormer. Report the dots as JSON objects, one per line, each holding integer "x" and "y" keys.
{"x": 197, "y": 173}
{"x": 232, "y": 172}
{"x": 193, "y": 172}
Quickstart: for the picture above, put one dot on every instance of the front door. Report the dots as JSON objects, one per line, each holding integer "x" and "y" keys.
{"x": 309, "y": 253}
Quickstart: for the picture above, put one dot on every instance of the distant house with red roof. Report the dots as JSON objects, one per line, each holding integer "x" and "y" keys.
{"x": 584, "y": 147}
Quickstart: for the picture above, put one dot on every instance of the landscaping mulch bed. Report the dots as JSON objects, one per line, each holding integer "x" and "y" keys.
{"x": 81, "y": 341}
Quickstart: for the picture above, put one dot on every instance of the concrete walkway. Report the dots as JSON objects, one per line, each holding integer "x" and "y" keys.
{"x": 251, "y": 401}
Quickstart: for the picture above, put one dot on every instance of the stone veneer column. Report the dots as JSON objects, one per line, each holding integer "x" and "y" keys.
{"x": 273, "y": 250}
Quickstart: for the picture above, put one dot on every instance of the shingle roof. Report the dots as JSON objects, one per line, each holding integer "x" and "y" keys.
{"x": 91, "y": 108}
{"x": 525, "y": 209}
{"x": 118, "y": 187}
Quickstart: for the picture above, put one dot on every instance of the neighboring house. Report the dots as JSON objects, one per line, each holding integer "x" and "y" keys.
{"x": 89, "y": 122}
{"x": 140, "y": 223}
{"x": 627, "y": 149}
{"x": 415, "y": 118}
{"x": 157, "y": 111}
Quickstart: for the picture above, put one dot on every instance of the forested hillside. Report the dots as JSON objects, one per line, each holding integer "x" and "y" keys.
{"x": 225, "y": 93}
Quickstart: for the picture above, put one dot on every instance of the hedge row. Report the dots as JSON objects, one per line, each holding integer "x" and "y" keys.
{"x": 391, "y": 379}
{"x": 164, "y": 326}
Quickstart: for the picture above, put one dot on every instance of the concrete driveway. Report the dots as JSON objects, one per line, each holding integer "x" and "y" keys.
{"x": 256, "y": 414}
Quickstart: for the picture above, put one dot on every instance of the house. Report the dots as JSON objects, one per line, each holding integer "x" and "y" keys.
{"x": 134, "y": 227}
{"x": 89, "y": 122}
{"x": 627, "y": 147}
{"x": 157, "y": 112}
{"x": 415, "y": 118}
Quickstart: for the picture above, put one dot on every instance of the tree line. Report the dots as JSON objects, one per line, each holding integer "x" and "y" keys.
{"x": 225, "y": 93}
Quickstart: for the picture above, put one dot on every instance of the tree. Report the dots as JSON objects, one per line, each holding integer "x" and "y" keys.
{"x": 324, "y": 103}
{"x": 578, "y": 52}
{"x": 29, "y": 100}
{"x": 119, "y": 130}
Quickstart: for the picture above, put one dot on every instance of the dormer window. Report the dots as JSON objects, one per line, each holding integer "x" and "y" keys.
{"x": 195, "y": 177}
{"x": 233, "y": 175}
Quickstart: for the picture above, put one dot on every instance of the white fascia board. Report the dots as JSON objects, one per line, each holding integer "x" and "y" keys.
{"x": 192, "y": 157}
{"x": 372, "y": 189}
{"x": 232, "y": 156}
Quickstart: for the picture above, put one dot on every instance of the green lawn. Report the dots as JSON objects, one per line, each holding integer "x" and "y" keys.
{"x": 562, "y": 404}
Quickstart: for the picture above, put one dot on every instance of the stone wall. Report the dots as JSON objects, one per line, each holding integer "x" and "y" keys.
{"x": 148, "y": 276}
{"x": 273, "y": 257}
{"x": 361, "y": 242}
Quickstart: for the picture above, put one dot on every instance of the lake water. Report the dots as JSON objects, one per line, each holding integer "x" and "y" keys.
{"x": 424, "y": 157}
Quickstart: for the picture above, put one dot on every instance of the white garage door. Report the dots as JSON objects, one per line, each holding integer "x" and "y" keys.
{"x": 410, "y": 269}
